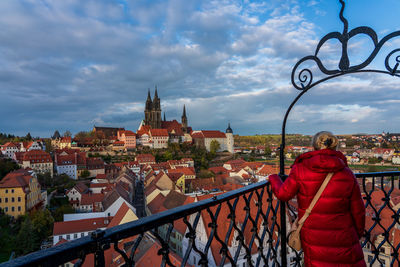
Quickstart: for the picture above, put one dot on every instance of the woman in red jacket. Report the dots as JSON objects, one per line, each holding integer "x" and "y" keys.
{"x": 330, "y": 235}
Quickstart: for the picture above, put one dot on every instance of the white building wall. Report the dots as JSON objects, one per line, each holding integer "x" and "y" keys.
{"x": 70, "y": 170}
{"x": 113, "y": 209}
{"x": 71, "y": 236}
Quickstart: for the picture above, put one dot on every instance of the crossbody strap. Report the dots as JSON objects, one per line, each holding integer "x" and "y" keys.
{"x": 314, "y": 201}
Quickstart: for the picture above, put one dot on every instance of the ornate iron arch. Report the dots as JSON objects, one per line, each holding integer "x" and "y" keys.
{"x": 302, "y": 79}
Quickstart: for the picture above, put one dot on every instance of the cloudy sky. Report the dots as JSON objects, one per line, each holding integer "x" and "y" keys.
{"x": 72, "y": 64}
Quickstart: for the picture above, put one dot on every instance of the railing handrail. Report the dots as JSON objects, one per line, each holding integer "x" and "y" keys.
{"x": 74, "y": 248}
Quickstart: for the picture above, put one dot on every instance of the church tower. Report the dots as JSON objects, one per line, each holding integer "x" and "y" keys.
{"x": 156, "y": 112}
{"x": 148, "y": 109}
{"x": 229, "y": 138}
{"x": 184, "y": 120}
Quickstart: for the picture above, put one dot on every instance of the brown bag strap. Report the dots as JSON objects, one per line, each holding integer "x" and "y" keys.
{"x": 314, "y": 201}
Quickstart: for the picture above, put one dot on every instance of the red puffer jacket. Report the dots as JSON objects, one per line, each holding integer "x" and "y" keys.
{"x": 330, "y": 235}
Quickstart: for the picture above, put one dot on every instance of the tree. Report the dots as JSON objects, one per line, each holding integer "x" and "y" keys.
{"x": 49, "y": 147}
{"x": 167, "y": 156}
{"x": 267, "y": 151}
{"x": 6, "y": 166}
{"x": 85, "y": 174}
{"x": 67, "y": 134}
{"x": 26, "y": 239}
{"x": 28, "y": 137}
{"x": 214, "y": 146}
{"x": 42, "y": 222}
{"x": 58, "y": 214}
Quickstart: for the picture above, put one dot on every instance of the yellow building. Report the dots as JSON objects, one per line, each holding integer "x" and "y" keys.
{"x": 60, "y": 143}
{"x": 19, "y": 193}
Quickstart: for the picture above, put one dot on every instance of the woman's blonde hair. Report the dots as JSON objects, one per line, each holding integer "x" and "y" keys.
{"x": 324, "y": 140}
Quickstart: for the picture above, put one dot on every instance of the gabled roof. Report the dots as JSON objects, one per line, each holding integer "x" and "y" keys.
{"x": 18, "y": 178}
{"x": 152, "y": 258}
{"x": 37, "y": 156}
{"x": 208, "y": 134}
{"x": 159, "y": 132}
{"x": 91, "y": 199}
{"x": 78, "y": 226}
{"x": 184, "y": 170}
{"x": 123, "y": 215}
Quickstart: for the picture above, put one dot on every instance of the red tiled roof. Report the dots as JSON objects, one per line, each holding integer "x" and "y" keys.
{"x": 79, "y": 226}
{"x": 19, "y": 156}
{"x": 37, "y": 156}
{"x": 152, "y": 258}
{"x": 101, "y": 176}
{"x": 119, "y": 215}
{"x": 141, "y": 158}
{"x": 184, "y": 170}
{"x": 18, "y": 178}
{"x": 89, "y": 199}
{"x": 9, "y": 144}
{"x": 208, "y": 134}
{"x": 175, "y": 176}
{"x": 70, "y": 159}
{"x": 268, "y": 169}
{"x": 218, "y": 170}
{"x": 66, "y": 139}
{"x": 156, "y": 204}
{"x": 100, "y": 185}
{"x": 159, "y": 132}
{"x": 144, "y": 130}
{"x": 172, "y": 127}
{"x": 119, "y": 143}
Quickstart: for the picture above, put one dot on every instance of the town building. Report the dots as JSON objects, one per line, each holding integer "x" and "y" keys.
{"x": 129, "y": 139}
{"x": 38, "y": 160}
{"x": 205, "y": 138}
{"x": 20, "y": 192}
{"x": 159, "y": 138}
{"x": 9, "y": 148}
{"x": 107, "y": 131}
{"x": 71, "y": 230}
{"x": 178, "y": 132}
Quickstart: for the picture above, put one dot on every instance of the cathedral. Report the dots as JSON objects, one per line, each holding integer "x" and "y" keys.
{"x": 152, "y": 115}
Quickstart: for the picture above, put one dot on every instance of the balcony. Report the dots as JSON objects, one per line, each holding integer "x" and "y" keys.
{"x": 237, "y": 228}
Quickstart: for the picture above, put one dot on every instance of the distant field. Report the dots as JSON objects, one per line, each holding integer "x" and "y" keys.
{"x": 271, "y": 139}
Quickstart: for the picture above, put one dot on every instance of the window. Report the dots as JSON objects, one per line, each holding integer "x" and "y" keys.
{"x": 75, "y": 236}
{"x": 82, "y": 234}
{"x": 6, "y": 209}
{"x": 68, "y": 237}
{"x": 19, "y": 199}
{"x": 12, "y": 190}
{"x": 12, "y": 199}
{"x": 12, "y": 208}
{"x": 6, "y": 191}
{"x": 19, "y": 208}
{"x": 0, "y": 199}
{"x": 6, "y": 199}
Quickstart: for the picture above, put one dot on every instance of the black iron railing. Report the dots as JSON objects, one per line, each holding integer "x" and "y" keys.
{"x": 238, "y": 228}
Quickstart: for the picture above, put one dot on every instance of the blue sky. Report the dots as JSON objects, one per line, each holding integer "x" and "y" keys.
{"x": 72, "y": 64}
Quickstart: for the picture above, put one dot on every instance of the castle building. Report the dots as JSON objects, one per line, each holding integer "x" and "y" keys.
{"x": 177, "y": 132}
{"x": 152, "y": 112}
{"x": 205, "y": 138}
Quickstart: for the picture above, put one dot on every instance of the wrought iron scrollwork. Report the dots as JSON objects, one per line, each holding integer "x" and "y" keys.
{"x": 304, "y": 79}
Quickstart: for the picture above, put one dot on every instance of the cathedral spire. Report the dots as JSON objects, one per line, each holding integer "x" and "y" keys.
{"x": 148, "y": 94}
{"x": 155, "y": 93}
{"x": 184, "y": 120}
{"x": 164, "y": 117}
{"x": 184, "y": 111}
